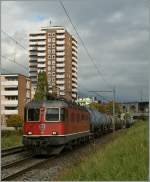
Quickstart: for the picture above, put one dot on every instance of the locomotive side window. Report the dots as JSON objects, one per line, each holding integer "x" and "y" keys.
{"x": 52, "y": 114}
{"x": 33, "y": 114}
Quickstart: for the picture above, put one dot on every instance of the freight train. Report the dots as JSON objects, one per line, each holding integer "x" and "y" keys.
{"x": 51, "y": 125}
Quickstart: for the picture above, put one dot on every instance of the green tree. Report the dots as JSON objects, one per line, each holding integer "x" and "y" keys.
{"x": 42, "y": 87}
{"x": 109, "y": 107}
{"x": 98, "y": 106}
{"x": 14, "y": 121}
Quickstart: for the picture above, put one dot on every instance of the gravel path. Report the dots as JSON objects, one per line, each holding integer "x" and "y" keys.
{"x": 52, "y": 169}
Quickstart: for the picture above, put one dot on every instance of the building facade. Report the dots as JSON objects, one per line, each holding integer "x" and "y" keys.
{"x": 15, "y": 93}
{"x": 54, "y": 51}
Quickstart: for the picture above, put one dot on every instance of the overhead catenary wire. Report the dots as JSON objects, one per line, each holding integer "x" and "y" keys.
{"x": 15, "y": 62}
{"x": 84, "y": 46}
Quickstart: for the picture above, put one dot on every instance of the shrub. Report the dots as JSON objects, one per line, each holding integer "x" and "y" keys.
{"x": 14, "y": 121}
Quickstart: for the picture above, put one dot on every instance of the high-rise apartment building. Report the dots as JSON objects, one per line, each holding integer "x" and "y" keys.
{"x": 54, "y": 51}
{"x": 15, "y": 93}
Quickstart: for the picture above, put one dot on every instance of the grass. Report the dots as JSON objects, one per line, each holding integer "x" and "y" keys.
{"x": 11, "y": 139}
{"x": 124, "y": 158}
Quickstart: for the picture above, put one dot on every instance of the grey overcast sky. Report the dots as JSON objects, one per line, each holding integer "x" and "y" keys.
{"x": 114, "y": 31}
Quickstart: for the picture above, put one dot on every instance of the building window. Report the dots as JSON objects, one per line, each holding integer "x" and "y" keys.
{"x": 53, "y": 56}
{"x": 53, "y": 68}
{"x": 53, "y": 51}
{"x": 53, "y": 34}
{"x": 49, "y": 56}
{"x": 53, "y": 73}
{"x": 53, "y": 39}
{"x": 53, "y": 45}
{"x": 49, "y": 34}
{"x": 49, "y": 51}
{"x": 49, "y": 45}
{"x": 49, "y": 39}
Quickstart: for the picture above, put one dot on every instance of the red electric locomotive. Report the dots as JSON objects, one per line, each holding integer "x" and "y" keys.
{"x": 50, "y": 125}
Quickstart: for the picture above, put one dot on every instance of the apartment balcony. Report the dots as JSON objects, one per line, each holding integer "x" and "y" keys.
{"x": 74, "y": 80}
{"x": 60, "y": 31}
{"x": 32, "y": 64}
{"x": 60, "y": 42}
{"x": 41, "y": 54}
{"x": 33, "y": 74}
{"x": 60, "y": 59}
{"x": 10, "y": 102}
{"x": 10, "y": 112}
{"x": 60, "y": 36}
{"x": 37, "y": 43}
{"x": 60, "y": 76}
{"x": 74, "y": 85}
{"x": 74, "y": 95}
{"x": 60, "y": 70}
{"x": 74, "y": 59}
{"x": 74, "y": 69}
{"x": 33, "y": 69}
{"x": 74, "y": 53}
{"x": 43, "y": 60}
{"x": 60, "y": 81}
{"x": 9, "y": 83}
{"x": 74, "y": 48}
{"x": 74, "y": 74}
{"x": 61, "y": 88}
{"x": 32, "y": 48}
{"x": 38, "y": 37}
{"x": 60, "y": 53}
{"x": 74, "y": 90}
{"x": 41, "y": 65}
{"x": 74, "y": 64}
{"x": 74, "y": 43}
{"x": 62, "y": 48}
{"x": 10, "y": 93}
{"x": 33, "y": 53}
{"x": 62, "y": 93}
{"x": 60, "y": 65}
{"x": 41, "y": 48}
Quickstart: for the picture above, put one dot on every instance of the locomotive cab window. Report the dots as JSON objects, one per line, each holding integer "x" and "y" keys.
{"x": 52, "y": 114}
{"x": 33, "y": 114}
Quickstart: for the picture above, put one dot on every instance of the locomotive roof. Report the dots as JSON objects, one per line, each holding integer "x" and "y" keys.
{"x": 52, "y": 103}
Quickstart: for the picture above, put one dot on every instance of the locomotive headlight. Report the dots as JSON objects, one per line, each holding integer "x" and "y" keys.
{"x": 29, "y": 133}
{"x": 54, "y": 133}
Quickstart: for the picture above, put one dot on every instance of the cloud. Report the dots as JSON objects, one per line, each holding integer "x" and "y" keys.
{"x": 115, "y": 33}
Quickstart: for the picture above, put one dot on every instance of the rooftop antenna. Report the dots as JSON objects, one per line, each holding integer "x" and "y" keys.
{"x": 50, "y": 22}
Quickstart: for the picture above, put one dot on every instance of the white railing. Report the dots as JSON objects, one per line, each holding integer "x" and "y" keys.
{"x": 74, "y": 64}
{"x": 60, "y": 65}
{"x": 73, "y": 95}
{"x": 60, "y": 81}
{"x": 9, "y": 83}
{"x": 37, "y": 43}
{"x": 38, "y": 37}
{"x": 60, "y": 53}
{"x": 74, "y": 53}
{"x": 74, "y": 58}
{"x": 9, "y": 112}
{"x": 60, "y": 70}
{"x": 41, "y": 48}
{"x": 74, "y": 74}
{"x": 10, "y": 102}
{"x": 41, "y": 54}
{"x": 74, "y": 42}
{"x": 74, "y": 85}
{"x": 60, "y": 31}
{"x": 33, "y": 69}
{"x": 61, "y": 88}
{"x": 75, "y": 48}
{"x": 74, "y": 69}
{"x": 60, "y": 76}
{"x": 10, "y": 92}
{"x": 61, "y": 42}
{"x": 74, "y": 79}
{"x": 60, "y": 36}
{"x": 32, "y": 48}
{"x": 32, "y": 64}
{"x": 41, "y": 65}
{"x": 62, "y": 93}
{"x": 41, "y": 60}
{"x": 74, "y": 90}
{"x": 62, "y": 48}
{"x": 60, "y": 59}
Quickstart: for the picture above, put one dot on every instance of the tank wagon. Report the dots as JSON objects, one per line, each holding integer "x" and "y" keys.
{"x": 51, "y": 125}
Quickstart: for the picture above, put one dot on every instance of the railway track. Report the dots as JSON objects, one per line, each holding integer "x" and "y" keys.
{"x": 16, "y": 168}
{"x": 11, "y": 151}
